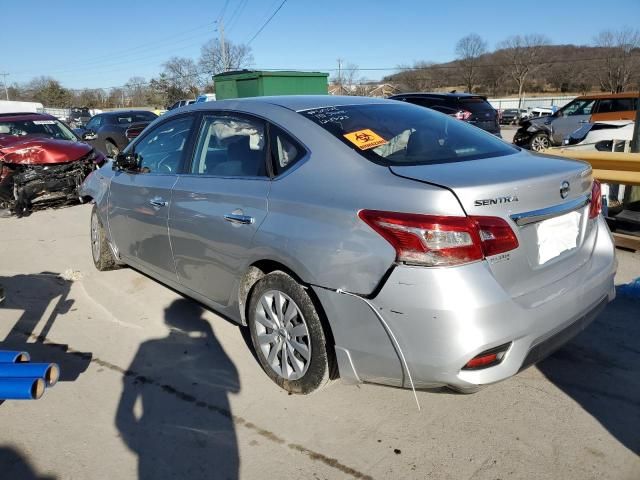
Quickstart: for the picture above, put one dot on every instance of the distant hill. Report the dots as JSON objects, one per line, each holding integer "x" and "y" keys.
{"x": 564, "y": 69}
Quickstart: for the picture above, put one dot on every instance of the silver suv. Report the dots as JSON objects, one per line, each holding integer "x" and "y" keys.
{"x": 396, "y": 243}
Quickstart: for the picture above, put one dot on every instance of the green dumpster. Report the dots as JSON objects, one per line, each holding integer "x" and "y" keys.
{"x": 250, "y": 83}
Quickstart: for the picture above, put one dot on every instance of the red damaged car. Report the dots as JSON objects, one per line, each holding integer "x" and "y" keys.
{"x": 42, "y": 162}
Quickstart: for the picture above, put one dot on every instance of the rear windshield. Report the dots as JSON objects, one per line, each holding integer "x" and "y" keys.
{"x": 403, "y": 134}
{"x": 125, "y": 119}
{"x": 475, "y": 104}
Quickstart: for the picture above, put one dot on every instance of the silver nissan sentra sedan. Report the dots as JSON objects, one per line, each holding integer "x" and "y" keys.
{"x": 366, "y": 238}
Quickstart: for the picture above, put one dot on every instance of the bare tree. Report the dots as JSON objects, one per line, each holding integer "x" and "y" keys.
{"x": 523, "y": 55}
{"x": 417, "y": 78}
{"x": 182, "y": 74}
{"x": 136, "y": 89}
{"x": 469, "y": 49}
{"x": 620, "y": 63}
{"x": 212, "y": 61}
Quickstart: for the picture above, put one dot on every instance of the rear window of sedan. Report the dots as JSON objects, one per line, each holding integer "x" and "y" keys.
{"x": 129, "y": 118}
{"x": 403, "y": 134}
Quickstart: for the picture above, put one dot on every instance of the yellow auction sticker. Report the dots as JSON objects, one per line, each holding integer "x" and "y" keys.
{"x": 365, "y": 139}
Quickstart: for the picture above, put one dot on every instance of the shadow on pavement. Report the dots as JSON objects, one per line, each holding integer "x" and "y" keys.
{"x": 173, "y": 434}
{"x": 600, "y": 369}
{"x": 13, "y": 466}
{"x": 33, "y": 294}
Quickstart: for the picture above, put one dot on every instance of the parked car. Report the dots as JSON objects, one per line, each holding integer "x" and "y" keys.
{"x": 42, "y": 162}
{"x": 110, "y": 132}
{"x": 537, "y": 112}
{"x": 79, "y": 117}
{"x": 551, "y": 130}
{"x": 510, "y": 116}
{"x": 601, "y": 136}
{"x": 473, "y": 109}
{"x": 181, "y": 103}
{"x": 206, "y": 97}
{"x": 444, "y": 270}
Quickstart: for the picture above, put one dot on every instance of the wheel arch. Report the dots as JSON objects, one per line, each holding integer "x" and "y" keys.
{"x": 260, "y": 269}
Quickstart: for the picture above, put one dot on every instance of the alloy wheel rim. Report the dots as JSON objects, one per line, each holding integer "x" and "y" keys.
{"x": 540, "y": 143}
{"x": 283, "y": 335}
{"x": 95, "y": 237}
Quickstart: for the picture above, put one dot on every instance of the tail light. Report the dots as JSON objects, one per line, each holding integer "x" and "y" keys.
{"x": 463, "y": 115}
{"x": 596, "y": 200}
{"x": 488, "y": 358}
{"x": 441, "y": 240}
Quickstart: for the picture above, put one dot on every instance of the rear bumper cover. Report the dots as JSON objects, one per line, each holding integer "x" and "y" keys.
{"x": 444, "y": 317}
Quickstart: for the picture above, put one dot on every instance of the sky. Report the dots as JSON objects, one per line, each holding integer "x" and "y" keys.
{"x": 103, "y": 44}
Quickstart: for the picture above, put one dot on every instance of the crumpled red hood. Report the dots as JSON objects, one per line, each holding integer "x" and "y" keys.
{"x": 40, "y": 151}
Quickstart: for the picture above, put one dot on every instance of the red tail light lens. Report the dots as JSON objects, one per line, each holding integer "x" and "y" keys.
{"x": 488, "y": 358}
{"x": 440, "y": 240}
{"x": 596, "y": 200}
{"x": 463, "y": 115}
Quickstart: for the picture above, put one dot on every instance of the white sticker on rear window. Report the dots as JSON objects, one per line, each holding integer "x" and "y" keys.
{"x": 44, "y": 122}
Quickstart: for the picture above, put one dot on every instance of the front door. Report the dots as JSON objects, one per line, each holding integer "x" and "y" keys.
{"x": 569, "y": 118}
{"x": 219, "y": 204}
{"x": 140, "y": 199}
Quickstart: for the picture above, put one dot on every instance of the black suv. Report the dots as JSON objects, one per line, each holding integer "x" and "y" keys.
{"x": 464, "y": 106}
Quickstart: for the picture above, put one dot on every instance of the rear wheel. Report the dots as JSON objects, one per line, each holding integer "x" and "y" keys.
{"x": 111, "y": 148}
{"x": 287, "y": 334}
{"x": 102, "y": 256}
{"x": 539, "y": 142}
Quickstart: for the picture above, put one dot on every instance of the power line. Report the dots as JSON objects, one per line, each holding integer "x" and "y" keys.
{"x": 267, "y": 22}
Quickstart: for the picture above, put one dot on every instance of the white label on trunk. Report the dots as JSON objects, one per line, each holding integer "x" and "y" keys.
{"x": 557, "y": 235}
{"x": 44, "y": 122}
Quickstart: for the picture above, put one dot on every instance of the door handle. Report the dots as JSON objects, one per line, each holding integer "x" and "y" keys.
{"x": 158, "y": 202}
{"x": 239, "y": 219}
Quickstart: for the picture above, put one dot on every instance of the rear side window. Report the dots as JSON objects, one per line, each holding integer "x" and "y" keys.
{"x": 611, "y": 105}
{"x": 230, "y": 145}
{"x": 285, "y": 151}
{"x": 401, "y": 134}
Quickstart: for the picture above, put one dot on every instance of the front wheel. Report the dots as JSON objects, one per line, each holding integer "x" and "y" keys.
{"x": 103, "y": 258}
{"x": 539, "y": 142}
{"x": 287, "y": 334}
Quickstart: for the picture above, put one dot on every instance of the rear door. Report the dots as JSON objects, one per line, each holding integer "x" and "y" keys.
{"x": 569, "y": 118}
{"x": 140, "y": 199}
{"x": 219, "y": 203}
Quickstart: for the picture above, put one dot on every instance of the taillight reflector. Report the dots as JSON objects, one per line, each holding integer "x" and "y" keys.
{"x": 434, "y": 240}
{"x": 488, "y": 358}
{"x": 596, "y": 200}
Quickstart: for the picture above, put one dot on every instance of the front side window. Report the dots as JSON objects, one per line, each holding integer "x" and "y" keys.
{"x": 161, "y": 150}
{"x": 230, "y": 145}
{"x": 403, "y": 134}
{"x": 94, "y": 123}
{"x": 578, "y": 107}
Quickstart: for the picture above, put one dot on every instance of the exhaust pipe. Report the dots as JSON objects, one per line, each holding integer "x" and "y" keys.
{"x": 48, "y": 372}
{"x": 7, "y": 356}
{"x": 21, "y": 388}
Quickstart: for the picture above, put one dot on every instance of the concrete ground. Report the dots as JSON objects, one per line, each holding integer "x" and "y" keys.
{"x": 155, "y": 387}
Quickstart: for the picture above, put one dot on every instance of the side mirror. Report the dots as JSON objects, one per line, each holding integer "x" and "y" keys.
{"x": 126, "y": 161}
{"x": 89, "y": 135}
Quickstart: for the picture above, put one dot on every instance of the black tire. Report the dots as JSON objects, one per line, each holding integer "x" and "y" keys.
{"x": 102, "y": 256}
{"x": 111, "y": 149}
{"x": 467, "y": 390}
{"x": 539, "y": 142}
{"x": 317, "y": 370}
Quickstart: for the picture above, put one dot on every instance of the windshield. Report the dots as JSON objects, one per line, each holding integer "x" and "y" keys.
{"x": 40, "y": 128}
{"x": 404, "y": 134}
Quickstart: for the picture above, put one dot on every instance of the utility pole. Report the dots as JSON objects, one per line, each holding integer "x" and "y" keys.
{"x": 4, "y": 82}
{"x": 222, "y": 46}
{"x": 340, "y": 71}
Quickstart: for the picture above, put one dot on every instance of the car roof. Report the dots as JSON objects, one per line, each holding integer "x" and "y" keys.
{"x": 296, "y": 103}
{"x": 453, "y": 95}
{"x": 22, "y": 116}
{"x": 124, "y": 112}
{"x": 601, "y": 96}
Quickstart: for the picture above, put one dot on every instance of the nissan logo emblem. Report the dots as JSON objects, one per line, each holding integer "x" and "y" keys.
{"x": 564, "y": 189}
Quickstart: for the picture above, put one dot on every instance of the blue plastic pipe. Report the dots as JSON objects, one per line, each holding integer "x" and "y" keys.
{"x": 49, "y": 372}
{"x": 7, "y": 356}
{"x": 21, "y": 388}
